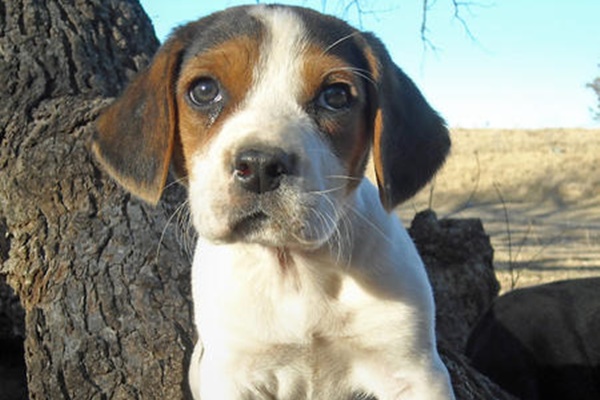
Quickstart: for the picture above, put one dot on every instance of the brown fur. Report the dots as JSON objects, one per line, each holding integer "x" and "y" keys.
{"x": 135, "y": 135}
{"x": 348, "y": 133}
{"x": 232, "y": 65}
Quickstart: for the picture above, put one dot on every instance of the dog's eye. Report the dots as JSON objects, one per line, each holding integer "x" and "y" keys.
{"x": 335, "y": 97}
{"x": 204, "y": 91}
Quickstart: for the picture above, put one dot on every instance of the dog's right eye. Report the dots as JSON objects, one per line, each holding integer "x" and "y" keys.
{"x": 336, "y": 97}
{"x": 204, "y": 91}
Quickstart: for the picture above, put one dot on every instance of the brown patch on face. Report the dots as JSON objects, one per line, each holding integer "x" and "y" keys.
{"x": 348, "y": 130}
{"x": 232, "y": 65}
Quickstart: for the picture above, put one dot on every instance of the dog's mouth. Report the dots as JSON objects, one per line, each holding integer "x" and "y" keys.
{"x": 249, "y": 224}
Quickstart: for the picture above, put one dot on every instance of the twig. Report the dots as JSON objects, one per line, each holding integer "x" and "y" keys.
{"x": 427, "y": 44}
{"x": 514, "y": 275}
{"x": 431, "y": 190}
{"x": 525, "y": 239}
{"x": 458, "y": 16}
{"x": 359, "y": 10}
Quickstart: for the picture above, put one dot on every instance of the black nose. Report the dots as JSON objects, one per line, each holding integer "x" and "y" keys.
{"x": 261, "y": 171}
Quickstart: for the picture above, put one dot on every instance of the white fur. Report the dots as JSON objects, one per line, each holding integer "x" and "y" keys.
{"x": 328, "y": 300}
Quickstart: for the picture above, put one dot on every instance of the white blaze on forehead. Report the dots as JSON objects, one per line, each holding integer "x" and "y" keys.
{"x": 278, "y": 79}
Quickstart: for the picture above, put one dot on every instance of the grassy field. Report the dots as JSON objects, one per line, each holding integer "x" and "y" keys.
{"x": 537, "y": 193}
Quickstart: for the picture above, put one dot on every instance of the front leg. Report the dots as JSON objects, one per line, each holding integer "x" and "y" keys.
{"x": 432, "y": 382}
{"x": 411, "y": 381}
{"x": 210, "y": 379}
{"x": 213, "y": 379}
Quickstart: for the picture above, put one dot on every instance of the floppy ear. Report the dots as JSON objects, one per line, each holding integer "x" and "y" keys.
{"x": 135, "y": 135}
{"x": 410, "y": 140}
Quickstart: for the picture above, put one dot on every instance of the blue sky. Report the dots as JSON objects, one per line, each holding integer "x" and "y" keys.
{"x": 525, "y": 66}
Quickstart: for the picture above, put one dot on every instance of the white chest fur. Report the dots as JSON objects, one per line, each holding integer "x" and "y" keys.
{"x": 322, "y": 324}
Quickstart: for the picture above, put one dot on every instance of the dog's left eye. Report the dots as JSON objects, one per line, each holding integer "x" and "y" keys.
{"x": 204, "y": 91}
{"x": 335, "y": 97}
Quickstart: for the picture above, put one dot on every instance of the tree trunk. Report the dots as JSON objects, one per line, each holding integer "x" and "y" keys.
{"x": 103, "y": 278}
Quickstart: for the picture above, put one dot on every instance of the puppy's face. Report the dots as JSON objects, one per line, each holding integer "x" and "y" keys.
{"x": 269, "y": 113}
{"x": 274, "y": 129}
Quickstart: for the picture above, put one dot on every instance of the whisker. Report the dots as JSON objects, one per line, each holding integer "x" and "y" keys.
{"x": 345, "y": 242}
{"x": 370, "y": 224}
{"x": 363, "y": 73}
{"x": 345, "y": 177}
{"x": 181, "y": 208}
{"x": 340, "y": 40}
{"x": 340, "y": 239}
{"x": 188, "y": 232}
{"x": 178, "y": 181}
{"x": 329, "y": 190}
{"x": 343, "y": 235}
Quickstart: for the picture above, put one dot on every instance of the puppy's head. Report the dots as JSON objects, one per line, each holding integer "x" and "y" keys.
{"x": 269, "y": 113}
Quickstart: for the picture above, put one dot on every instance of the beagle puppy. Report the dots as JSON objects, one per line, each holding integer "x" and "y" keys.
{"x": 305, "y": 285}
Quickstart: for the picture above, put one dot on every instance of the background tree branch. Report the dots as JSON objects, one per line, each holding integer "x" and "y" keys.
{"x": 595, "y": 86}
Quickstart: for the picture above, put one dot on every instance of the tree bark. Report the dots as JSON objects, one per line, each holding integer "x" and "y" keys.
{"x": 103, "y": 278}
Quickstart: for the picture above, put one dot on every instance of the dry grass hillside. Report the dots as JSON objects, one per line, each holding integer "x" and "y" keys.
{"x": 538, "y": 194}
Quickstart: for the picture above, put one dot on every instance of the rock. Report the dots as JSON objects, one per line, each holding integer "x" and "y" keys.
{"x": 469, "y": 384}
{"x": 458, "y": 257}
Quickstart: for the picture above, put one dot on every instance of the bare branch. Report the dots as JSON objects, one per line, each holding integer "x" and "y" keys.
{"x": 424, "y": 31}
{"x": 458, "y": 5}
{"x": 359, "y": 10}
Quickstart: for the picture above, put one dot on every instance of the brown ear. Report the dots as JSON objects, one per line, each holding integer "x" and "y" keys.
{"x": 135, "y": 135}
{"x": 410, "y": 140}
